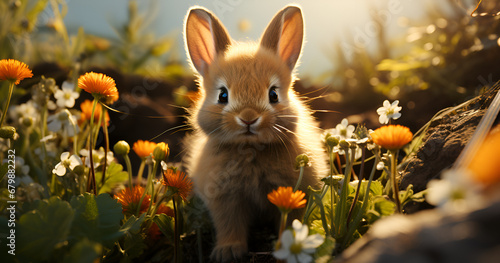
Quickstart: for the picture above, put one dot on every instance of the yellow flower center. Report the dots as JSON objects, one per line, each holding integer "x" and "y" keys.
{"x": 296, "y": 248}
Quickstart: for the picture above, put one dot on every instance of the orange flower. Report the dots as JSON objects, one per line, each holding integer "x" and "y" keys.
{"x": 143, "y": 148}
{"x": 86, "y": 108}
{"x": 100, "y": 86}
{"x": 130, "y": 200}
{"x": 178, "y": 182}
{"x": 14, "y": 71}
{"x": 484, "y": 166}
{"x": 392, "y": 137}
{"x": 286, "y": 199}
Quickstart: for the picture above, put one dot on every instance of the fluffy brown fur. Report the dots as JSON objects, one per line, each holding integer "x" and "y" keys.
{"x": 235, "y": 163}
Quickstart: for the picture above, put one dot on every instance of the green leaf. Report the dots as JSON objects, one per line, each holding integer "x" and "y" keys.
{"x": 134, "y": 245}
{"x": 114, "y": 177}
{"x": 316, "y": 227}
{"x": 384, "y": 206}
{"x": 134, "y": 240}
{"x": 165, "y": 224}
{"x": 44, "y": 229}
{"x": 85, "y": 251}
{"x": 325, "y": 250}
{"x": 133, "y": 224}
{"x": 96, "y": 218}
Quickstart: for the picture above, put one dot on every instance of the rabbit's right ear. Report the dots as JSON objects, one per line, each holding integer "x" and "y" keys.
{"x": 205, "y": 38}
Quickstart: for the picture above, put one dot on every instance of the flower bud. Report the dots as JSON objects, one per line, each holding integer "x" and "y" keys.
{"x": 27, "y": 121}
{"x": 121, "y": 148}
{"x": 161, "y": 152}
{"x": 302, "y": 160}
{"x": 332, "y": 141}
{"x": 344, "y": 144}
{"x": 7, "y": 132}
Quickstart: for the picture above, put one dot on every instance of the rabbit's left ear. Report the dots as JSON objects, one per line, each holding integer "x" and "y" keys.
{"x": 205, "y": 38}
{"x": 285, "y": 35}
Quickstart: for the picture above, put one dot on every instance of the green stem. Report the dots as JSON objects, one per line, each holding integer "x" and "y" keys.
{"x": 91, "y": 158}
{"x": 360, "y": 178}
{"x": 75, "y": 136}
{"x": 129, "y": 170}
{"x": 357, "y": 219}
{"x": 42, "y": 178}
{"x": 106, "y": 142}
{"x": 4, "y": 113}
{"x": 332, "y": 192}
{"x": 283, "y": 218}
{"x": 395, "y": 185}
{"x": 341, "y": 208}
{"x": 141, "y": 171}
{"x": 176, "y": 231}
{"x": 299, "y": 181}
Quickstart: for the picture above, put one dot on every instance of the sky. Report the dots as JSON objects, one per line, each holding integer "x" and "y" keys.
{"x": 326, "y": 21}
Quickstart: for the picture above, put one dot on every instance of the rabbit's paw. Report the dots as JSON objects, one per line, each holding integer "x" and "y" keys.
{"x": 228, "y": 252}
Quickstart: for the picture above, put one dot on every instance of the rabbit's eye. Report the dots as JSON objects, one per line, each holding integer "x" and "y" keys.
{"x": 273, "y": 95}
{"x": 223, "y": 95}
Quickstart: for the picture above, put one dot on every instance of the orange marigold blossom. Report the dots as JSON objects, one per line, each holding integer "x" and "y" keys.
{"x": 178, "y": 182}
{"x": 86, "y": 108}
{"x": 100, "y": 86}
{"x": 143, "y": 148}
{"x": 392, "y": 137}
{"x": 286, "y": 199}
{"x": 14, "y": 71}
{"x": 484, "y": 166}
{"x": 130, "y": 200}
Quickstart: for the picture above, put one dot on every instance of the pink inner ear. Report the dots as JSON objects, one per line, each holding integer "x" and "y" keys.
{"x": 290, "y": 42}
{"x": 200, "y": 41}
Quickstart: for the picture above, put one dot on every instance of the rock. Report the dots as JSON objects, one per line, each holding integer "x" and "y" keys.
{"x": 430, "y": 236}
{"x": 445, "y": 137}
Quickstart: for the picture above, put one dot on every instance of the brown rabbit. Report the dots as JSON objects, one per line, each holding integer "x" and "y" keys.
{"x": 249, "y": 124}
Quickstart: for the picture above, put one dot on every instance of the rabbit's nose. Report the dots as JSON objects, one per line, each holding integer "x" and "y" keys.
{"x": 248, "y": 117}
{"x": 249, "y": 122}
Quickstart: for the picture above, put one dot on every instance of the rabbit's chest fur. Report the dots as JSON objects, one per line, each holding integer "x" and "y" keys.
{"x": 250, "y": 170}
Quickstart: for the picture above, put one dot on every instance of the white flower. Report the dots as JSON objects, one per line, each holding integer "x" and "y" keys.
{"x": 389, "y": 111}
{"x": 97, "y": 156}
{"x": 67, "y": 162}
{"x": 24, "y": 110}
{"x": 380, "y": 165}
{"x": 344, "y": 130}
{"x": 454, "y": 192}
{"x": 63, "y": 121}
{"x": 66, "y": 95}
{"x": 298, "y": 246}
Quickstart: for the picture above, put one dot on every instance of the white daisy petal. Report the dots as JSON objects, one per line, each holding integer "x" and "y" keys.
{"x": 282, "y": 253}
{"x": 64, "y": 156}
{"x": 313, "y": 241}
{"x": 286, "y": 239}
{"x": 59, "y": 170}
{"x": 304, "y": 258}
{"x": 74, "y": 161}
{"x": 301, "y": 234}
{"x": 291, "y": 259}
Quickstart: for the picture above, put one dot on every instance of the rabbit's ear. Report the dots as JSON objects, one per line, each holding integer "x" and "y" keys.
{"x": 285, "y": 34}
{"x": 205, "y": 38}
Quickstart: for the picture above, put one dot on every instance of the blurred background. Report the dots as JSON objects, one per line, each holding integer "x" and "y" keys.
{"x": 427, "y": 54}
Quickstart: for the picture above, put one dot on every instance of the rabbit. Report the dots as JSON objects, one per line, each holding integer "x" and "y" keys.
{"x": 248, "y": 124}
